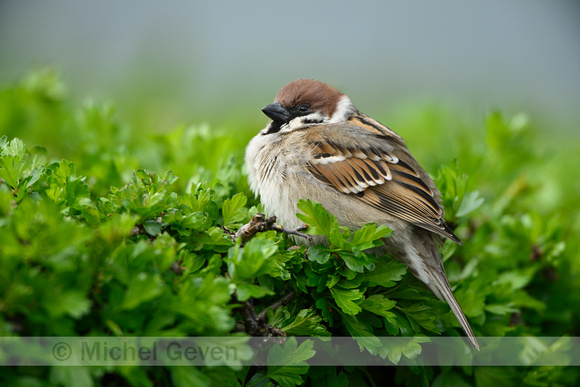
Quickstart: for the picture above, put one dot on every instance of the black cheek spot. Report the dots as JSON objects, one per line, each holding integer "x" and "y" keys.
{"x": 274, "y": 128}
{"x": 313, "y": 121}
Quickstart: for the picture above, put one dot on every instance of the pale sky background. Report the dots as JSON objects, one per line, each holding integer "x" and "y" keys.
{"x": 206, "y": 60}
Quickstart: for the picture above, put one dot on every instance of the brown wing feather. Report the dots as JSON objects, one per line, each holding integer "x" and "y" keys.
{"x": 380, "y": 174}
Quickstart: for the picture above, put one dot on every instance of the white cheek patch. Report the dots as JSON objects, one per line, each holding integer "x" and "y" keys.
{"x": 314, "y": 118}
{"x": 344, "y": 109}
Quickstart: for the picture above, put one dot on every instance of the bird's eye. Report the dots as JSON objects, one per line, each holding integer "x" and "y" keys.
{"x": 304, "y": 108}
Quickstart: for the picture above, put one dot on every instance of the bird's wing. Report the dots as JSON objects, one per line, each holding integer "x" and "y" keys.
{"x": 374, "y": 165}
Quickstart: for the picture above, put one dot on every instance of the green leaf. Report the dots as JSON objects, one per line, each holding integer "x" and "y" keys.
{"x": 362, "y": 332}
{"x": 247, "y": 291}
{"x": 423, "y": 314}
{"x": 142, "y": 288}
{"x": 470, "y": 203}
{"x": 370, "y": 235}
{"x": 318, "y": 219}
{"x": 386, "y": 273}
{"x": 278, "y": 317}
{"x": 306, "y": 323}
{"x": 346, "y": 299}
{"x": 15, "y": 148}
{"x": 407, "y": 346}
{"x": 501, "y": 309}
{"x": 71, "y": 376}
{"x": 152, "y": 227}
{"x": 398, "y": 324}
{"x": 204, "y": 301}
{"x": 319, "y": 253}
{"x": 253, "y": 260}
{"x": 292, "y": 359}
{"x": 34, "y": 176}
{"x": 11, "y": 162}
{"x": 378, "y": 304}
{"x": 72, "y": 303}
{"x": 358, "y": 262}
{"x": 325, "y": 310}
{"x": 234, "y": 211}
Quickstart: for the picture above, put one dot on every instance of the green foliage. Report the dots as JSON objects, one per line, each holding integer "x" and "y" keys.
{"x": 292, "y": 355}
{"x": 93, "y": 244}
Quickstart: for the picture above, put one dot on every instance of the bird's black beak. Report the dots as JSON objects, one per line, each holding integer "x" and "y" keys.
{"x": 276, "y": 112}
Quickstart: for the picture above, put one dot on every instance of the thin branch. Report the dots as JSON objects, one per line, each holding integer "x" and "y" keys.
{"x": 177, "y": 268}
{"x": 260, "y": 223}
{"x": 253, "y": 324}
{"x": 281, "y": 302}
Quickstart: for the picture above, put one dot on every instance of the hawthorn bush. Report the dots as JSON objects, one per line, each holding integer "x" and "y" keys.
{"x": 107, "y": 230}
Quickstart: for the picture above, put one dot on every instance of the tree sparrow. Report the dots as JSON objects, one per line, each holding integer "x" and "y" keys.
{"x": 319, "y": 146}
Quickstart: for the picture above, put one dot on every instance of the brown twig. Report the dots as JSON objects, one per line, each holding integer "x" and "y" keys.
{"x": 281, "y": 302}
{"x": 253, "y": 324}
{"x": 260, "y": 223}
{"x": 177, "y": 268}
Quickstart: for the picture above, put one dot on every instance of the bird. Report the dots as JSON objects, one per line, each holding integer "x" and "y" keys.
{"x": 319, "y": 146}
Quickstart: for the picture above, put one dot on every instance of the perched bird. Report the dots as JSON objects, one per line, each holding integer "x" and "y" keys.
{"x": 319, "y": 146}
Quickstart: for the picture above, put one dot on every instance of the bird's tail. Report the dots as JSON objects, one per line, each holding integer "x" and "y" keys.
{"x": 444, "y": 290}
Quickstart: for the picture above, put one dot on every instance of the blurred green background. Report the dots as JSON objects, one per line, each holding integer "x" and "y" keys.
{"x": 168, "y": 63}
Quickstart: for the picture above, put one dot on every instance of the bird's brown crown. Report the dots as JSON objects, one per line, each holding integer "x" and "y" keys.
{"x": 319, "y": 96}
